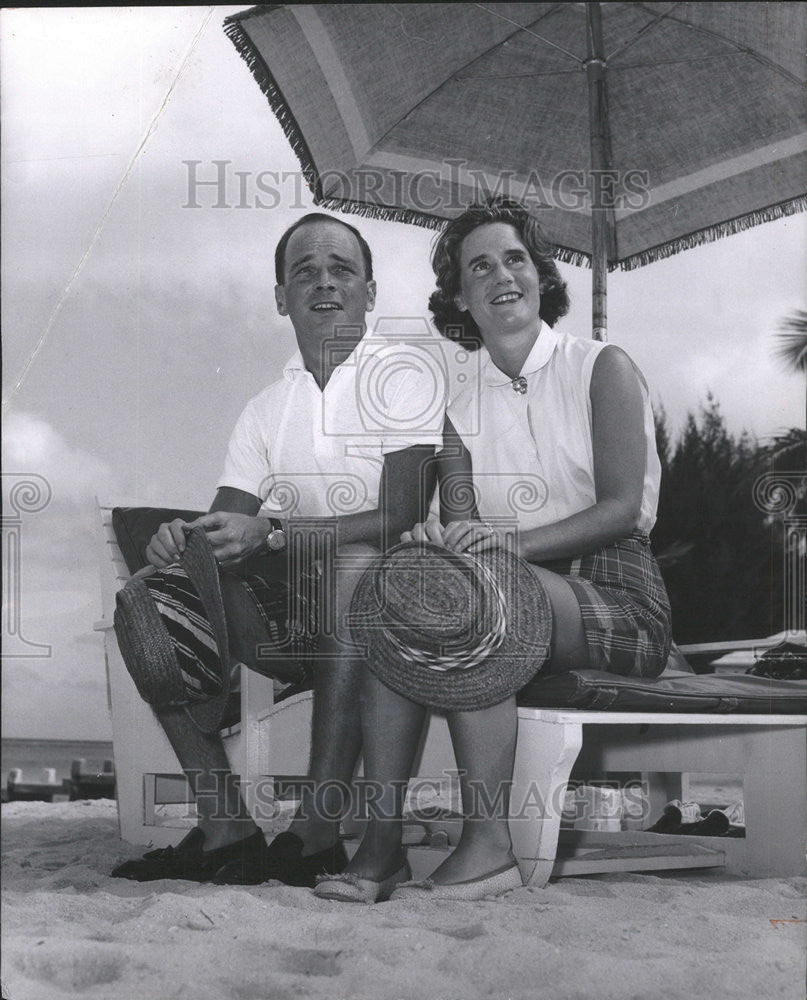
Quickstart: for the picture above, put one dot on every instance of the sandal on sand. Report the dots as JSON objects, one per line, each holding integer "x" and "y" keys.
{"x": 495, "y": 883}
{"x": 350, "y": 888}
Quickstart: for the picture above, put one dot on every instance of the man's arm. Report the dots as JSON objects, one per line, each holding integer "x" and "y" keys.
{"x": 168, "y": 542}
{"x": 235, "y": 502}
{"x": 407, "y": 482}
{"x": 457, "y": 497}
{"x": 457, "y": 493}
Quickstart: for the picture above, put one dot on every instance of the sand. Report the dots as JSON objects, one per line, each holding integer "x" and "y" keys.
{"x": 71, "y": 931}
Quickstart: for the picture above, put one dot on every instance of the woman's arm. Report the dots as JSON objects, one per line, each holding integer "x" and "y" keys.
{"x": 407, "y": 481}
{"x": 620, "y": 447}
{"x": 457, "y": 496}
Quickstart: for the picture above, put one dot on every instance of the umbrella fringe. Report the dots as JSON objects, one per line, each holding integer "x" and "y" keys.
{"x": 269, "y": 88}
{"x": 713, "y": 233}
{"x": 386, "y": 212}
{"x": 411, "y": 216}
{"x": 568, "y": 256}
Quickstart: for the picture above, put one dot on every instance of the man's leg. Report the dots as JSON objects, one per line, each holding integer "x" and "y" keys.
{"x": 336, "y": 723}
{"x": 225, "y": 832}
{"x": 223, "y": 817}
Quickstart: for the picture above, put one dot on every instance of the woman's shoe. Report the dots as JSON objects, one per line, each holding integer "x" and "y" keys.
{"x": 495, "y": 883}
{"x": 350, "y": 888}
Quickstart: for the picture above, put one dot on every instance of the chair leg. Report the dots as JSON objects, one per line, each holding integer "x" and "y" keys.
{"x": 545, "y": 755}
{"x": 662, "y": 787}
{"x": 775, "y": 798}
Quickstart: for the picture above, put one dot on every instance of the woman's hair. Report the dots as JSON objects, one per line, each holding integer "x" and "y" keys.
{"x": 459, "y": 325}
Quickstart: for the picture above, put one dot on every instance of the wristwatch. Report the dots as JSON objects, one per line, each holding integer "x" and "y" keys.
{"x": 276, "y": 538}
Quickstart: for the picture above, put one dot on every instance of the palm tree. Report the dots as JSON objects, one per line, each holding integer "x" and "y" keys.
{"x": 791, "y": 344}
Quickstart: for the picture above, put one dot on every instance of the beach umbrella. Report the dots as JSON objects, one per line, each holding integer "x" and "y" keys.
{"x": 636, "y": 129}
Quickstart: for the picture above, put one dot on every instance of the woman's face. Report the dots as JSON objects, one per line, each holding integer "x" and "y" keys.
{"x": 499, "y": 283}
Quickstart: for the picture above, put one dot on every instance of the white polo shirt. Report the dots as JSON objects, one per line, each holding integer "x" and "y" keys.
{"x": 532, "y": 452}
{"x": 308, "y": 452}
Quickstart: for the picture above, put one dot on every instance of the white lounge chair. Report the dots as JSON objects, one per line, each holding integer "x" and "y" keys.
{"x": 767, "y": 751}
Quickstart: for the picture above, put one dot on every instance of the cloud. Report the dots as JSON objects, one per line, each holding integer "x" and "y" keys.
{"x": 32, "y": 445}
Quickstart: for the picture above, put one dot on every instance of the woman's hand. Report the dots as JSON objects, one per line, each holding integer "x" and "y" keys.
{"x": 233, "y": 537}
{"x": 426, "y": 531}
{"x": 459, "y": 536}
{"x": 472, "y": 537}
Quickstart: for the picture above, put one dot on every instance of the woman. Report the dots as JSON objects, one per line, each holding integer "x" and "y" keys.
{"x": 558, "y": 435}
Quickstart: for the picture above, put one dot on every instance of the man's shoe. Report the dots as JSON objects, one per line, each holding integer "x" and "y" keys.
{"x": 283, "y": 860}
{"x": 188, "y": 860}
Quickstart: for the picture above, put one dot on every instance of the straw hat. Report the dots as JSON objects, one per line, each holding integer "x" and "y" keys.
{"x": 148, "y": 651}
{"x": 451, "y": 631}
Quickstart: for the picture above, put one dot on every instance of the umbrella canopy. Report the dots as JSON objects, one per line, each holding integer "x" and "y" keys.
{"x": 664, "y": 124}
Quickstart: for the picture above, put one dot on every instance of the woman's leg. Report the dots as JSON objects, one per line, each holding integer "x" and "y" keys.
{"x": 485, "y": 744}
{"x": 569, "y": 649}
{"x": 391, "y": 727}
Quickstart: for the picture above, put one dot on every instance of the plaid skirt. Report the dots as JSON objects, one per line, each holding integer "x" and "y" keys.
{"x": 624, "y": 604}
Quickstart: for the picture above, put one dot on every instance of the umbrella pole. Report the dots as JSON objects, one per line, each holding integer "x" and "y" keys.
{"x": 602, "y": 221}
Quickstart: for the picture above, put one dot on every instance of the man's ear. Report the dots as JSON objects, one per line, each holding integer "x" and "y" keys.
{"x": 280, "y": 300}
{"x": 371, "y": 293}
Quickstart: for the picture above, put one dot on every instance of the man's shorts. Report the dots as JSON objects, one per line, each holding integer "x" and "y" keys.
{"x": 272, "y": 625}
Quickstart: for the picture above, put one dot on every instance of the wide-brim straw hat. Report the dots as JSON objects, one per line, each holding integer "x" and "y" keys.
{"x": 457, "y": 632}
{"x": 148, "y": 651}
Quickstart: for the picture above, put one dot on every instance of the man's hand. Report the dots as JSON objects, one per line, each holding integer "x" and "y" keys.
{"x": 167, "y": 544}
{"x": 233, "y": 537}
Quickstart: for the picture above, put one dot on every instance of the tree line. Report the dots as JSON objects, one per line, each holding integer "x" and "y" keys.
{"x": 722, "y": 556}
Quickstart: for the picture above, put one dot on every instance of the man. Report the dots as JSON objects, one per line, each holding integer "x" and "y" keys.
{"x": 321, "y": 426}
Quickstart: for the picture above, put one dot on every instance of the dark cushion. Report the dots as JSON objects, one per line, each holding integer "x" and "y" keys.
{"x": 671, "y": 692}
{"x": 134, "y": 526}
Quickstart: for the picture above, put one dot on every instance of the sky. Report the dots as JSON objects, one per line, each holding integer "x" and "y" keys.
{"x": 136, "y": 326}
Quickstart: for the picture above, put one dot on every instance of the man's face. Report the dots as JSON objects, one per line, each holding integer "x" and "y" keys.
{"x": 324, "y": 284}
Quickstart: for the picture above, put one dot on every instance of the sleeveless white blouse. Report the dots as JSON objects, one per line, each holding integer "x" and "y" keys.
{"x": 532, "y": 452}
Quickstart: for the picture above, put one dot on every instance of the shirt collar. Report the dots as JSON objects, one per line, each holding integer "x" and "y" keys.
{"x": 295, "y": 366}
{"x": 540, "y": 353}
